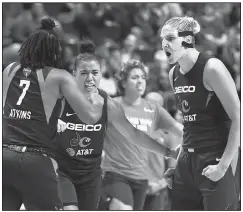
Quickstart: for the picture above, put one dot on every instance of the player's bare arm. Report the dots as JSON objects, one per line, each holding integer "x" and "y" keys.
{"x": 218, "y": 78}
{"x": 171, "y": 127}
{"x": 116, "y": 116}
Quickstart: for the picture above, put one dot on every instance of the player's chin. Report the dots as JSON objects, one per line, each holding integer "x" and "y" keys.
{"x": 141, "y": 92}
{"x": 91, "y": 89}
{"x": 171, "y": 60}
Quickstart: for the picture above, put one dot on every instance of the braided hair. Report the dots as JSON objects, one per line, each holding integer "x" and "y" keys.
{"x": 41, "y": 48}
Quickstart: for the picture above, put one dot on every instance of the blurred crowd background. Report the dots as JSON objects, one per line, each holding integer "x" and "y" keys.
{"x": 122, "y": 31}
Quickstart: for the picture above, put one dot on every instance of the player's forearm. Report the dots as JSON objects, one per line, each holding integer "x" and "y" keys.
{"x": 177, "y": 133}
{"x": 232, "y": 144}
{"x": 137, "y": 137}
{"x": 117, "y": 117}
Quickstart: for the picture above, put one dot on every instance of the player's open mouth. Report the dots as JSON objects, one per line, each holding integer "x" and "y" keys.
{"x": 89, "y": 86}
{"x": 167, "y": 53}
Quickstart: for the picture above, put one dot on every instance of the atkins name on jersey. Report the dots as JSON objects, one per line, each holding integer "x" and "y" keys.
{"x": 19, "y": 114}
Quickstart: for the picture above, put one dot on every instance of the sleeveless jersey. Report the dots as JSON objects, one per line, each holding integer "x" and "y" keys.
{"x": 30, "y": 111}
{"x": 206, "y": 123}
{"x": 79, "y": 147}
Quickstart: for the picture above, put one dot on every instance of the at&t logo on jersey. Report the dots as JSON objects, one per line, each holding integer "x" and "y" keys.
{"x": 79, "y": 142}
{"x": 185, "y": 89}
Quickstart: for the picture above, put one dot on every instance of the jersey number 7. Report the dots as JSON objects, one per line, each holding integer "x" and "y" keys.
{"x": 26, "y": 85}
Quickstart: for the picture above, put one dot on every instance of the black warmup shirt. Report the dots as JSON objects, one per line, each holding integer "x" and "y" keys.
{"x": 79, "y": 147}
{"x": 206, "y": 123}
{"x": 30, "y": 111}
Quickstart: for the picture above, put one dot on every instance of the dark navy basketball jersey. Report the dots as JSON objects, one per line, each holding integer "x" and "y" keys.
{"x": 30, "y": 112}
{"x": 80, "y": 145}
{"x": 206, "y": 123}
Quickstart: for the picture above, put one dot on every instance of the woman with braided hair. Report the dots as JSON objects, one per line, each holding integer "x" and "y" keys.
{"x": 207, "y": 97}
{"x": 32, "y": 91}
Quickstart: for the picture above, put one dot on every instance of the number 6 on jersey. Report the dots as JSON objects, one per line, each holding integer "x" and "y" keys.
{"x": 27, "y": 85}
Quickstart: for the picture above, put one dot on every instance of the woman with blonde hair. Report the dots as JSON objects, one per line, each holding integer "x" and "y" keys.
{"x": 207, "y": 97}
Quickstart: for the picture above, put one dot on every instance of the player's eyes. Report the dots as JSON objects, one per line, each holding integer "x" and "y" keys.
{"x": 170, "y": 38}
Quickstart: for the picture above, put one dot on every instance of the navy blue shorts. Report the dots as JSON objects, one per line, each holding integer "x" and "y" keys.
{"x": 30, "y": 179}
{"x": 85, "y": 195}
{"x": 193, "y": 191}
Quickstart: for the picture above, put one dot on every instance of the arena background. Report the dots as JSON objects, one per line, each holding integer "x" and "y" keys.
{"x": 127, "y": 30}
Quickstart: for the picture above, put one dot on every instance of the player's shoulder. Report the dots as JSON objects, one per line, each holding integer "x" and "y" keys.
{"x": 152, "y": 106}
{"x": 213, "y": 62}
{"x": 10, "y": 67}
{"x": 214, "y": 65}
{"x": 57, "y": 73}
{"x": 57, "y": 70}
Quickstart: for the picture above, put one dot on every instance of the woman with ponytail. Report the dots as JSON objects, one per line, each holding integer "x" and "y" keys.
{"x": 207, "y": 97}
{"x": 80, "y": 145}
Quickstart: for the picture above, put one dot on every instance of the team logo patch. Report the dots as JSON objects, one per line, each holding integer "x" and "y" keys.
{"x": 26, "y": 72}
{"x": 75, "y": 141}
{"x": 185, "y": 106}
{"x": 70, "y": 151}
{"x": 84, "y": 142}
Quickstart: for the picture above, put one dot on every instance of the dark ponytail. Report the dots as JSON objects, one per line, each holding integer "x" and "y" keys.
{"x": 87, "y": 52}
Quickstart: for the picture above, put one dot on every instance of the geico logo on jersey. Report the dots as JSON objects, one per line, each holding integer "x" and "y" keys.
{"x": 20, "y": 114}
{"x": 83, "y": 127}
{"x": 185, "y": 89}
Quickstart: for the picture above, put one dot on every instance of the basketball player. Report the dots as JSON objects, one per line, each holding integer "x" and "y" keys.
{"x": 125, "y": 181}
{"x": 32, "y": 91}
{"x": 208, "y": 100}
{"x": 80, "y": 145}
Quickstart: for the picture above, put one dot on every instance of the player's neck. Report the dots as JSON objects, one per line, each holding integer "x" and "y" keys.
{"x": 188, "y": 60}
{"x": 132, "y": 100}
